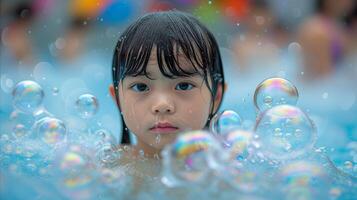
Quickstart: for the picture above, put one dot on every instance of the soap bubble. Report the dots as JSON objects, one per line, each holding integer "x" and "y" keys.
{"x": 75, "y": 171}
{"x": 28, "y": 96}
{"x": 275, "y": 91}
{"x": 225, "y": 121}
{"x": 87, "y": 105}
{"x": 238, "y": 142}
{"x": 190, "y": 158}
{"x": 284, "y": 132}
{"x": 103, "y": 136}
{"x": 304, "y": 179}
{"x": 19, "y": 131}
{"x": 51, "y": 130}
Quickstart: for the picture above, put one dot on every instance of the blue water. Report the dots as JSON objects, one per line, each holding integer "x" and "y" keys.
{"x": 31, "y": 169}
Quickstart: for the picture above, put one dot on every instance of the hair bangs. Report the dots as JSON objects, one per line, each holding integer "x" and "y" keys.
{"x": 174, "y": 36}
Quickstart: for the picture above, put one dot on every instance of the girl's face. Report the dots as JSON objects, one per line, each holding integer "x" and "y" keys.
{"x": 155, "y": 109}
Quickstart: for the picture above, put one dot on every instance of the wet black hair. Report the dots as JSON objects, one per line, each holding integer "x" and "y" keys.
{"x": 169, "y": 32}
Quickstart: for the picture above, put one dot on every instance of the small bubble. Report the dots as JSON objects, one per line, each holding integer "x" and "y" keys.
{"x": 19, "y": 131}
{"x": 325, "y": 95}
{"x": 348, "y": 165}
{"x": 141, "y": 153}
{"x": 126, "y": 148}
{"x": 55, "y": 91}
{"x": 277, "y": 132}
{"x": 298, "y": 133}
{"x": 268, "y": 99}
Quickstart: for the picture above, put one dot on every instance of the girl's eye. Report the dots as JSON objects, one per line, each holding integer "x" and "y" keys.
{"x": 184, "y": 86}
{"x": 140, "y": 87}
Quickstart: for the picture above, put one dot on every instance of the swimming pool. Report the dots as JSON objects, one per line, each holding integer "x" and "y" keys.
{"x": 80, "y": 162}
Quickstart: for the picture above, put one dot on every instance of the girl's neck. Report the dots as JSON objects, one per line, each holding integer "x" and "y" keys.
{"x": 143, "y": 149}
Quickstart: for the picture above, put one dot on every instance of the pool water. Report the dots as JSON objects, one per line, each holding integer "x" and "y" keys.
{"x": 60, "y": 144}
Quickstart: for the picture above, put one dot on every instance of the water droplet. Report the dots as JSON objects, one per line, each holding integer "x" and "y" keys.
{"x": 141, "y": 153}
{"x": 55, "y": 91}
{"x": 158, "y": 139}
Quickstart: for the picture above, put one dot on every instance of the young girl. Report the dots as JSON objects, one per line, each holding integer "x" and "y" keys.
{"x": 167, "y": 78}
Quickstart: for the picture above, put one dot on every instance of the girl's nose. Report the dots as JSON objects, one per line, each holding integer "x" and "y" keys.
{"x": 163, "y": 106}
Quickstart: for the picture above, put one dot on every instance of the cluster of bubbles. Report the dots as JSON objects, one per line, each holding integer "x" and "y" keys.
{"x": 278, "y": 151}
{"x": 276, "y": 155}
{"x": 40, "y": 144}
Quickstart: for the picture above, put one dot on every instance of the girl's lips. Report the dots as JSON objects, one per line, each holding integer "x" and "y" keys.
{"x": 163, "y": 127}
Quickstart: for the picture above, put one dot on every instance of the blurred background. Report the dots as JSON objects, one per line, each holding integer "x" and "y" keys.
{"x": 67, "y": 47}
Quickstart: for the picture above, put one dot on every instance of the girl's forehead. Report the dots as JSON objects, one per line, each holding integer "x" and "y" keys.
{"x": 183, "y": 61}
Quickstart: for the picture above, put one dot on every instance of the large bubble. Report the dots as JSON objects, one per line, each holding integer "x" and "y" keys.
{"x": 87, "y": 105}
{"x": 304, "y": 179}
{"x": 190, "y": 158}
{"x": 51, "y": 130}
{"x": 275, "y": 91}
{"x": 225, "y": 121}
{"x": 284, "y": 132}
{"x": 28, "y": 96}
{"x": 75, "y": 171}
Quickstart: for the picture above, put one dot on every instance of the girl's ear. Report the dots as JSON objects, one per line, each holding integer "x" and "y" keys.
{"x": 219, "y": 96}
{"x": 112, "y": 93}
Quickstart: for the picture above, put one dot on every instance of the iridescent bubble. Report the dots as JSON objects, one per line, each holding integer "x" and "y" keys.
{"x": 304, "y": 180}
{"x": 190, "y": 158}
{"x": 51, "y": 130}
{"x": 225, "y": 121}
{"x": 238, "y": 142}
{"x": 72, "y": 161}
{"x": 75, "y": 171}
{"x": 87, "y": 105}
{"x": 275, "y": 91}
{"x": 294, "y": 48}
{"x": 19, "y": 131}
{"x": 285, "y": 132}
{"x": 28, "y": 96}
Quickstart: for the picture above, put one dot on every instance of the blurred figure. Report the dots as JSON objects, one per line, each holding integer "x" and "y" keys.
{"x": 351, "y": 22}
{"x": 323, "y": 38}
{"x": 257, "y": 46}
{"x": 16, "y": 38}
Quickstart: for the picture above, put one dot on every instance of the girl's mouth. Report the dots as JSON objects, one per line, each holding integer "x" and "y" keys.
{"x": 163, "y": 127}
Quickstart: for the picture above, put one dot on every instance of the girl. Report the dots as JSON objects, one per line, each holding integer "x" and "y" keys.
{"x": 167, "y": 78}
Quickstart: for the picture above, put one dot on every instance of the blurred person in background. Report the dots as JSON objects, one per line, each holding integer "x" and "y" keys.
{"x": 257, "y": 46}
{"x": 324, "y": 39}
{"x": 17, "y": 47}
